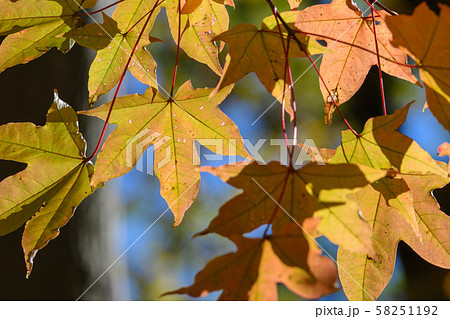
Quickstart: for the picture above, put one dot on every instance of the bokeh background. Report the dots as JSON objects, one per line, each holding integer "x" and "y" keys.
{"x": 162, "y": 259}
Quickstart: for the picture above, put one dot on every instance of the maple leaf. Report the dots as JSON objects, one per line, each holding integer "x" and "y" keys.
{"x": 363, "y": 277}
{"x": 366, "y": 278}
{"x": 109, "y": 63}
{"x": 151, "y": 119}
{"x": 278, "y": 195}
{"x": 55, "y": 181}
{"x": 398, "y": 207}
{"x": 424, "y": 35}
{"x": 261, "y": 51}
{"x": 381, "y": 146}
{"x": 18, "y": 15}
{"x": 201, "y": 21}
{"x": 36, "y": 26}
{"x": 346, "y": 64}
{"x": 258, "y": 265}
{"x": 284, "y": 261}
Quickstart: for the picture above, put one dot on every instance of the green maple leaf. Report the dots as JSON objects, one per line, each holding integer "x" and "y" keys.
{"x": 381, "y": 146}
{"x": 398, "y": 207}
{"x": 366, "y": 278}
{"x": 201, "y": 21}
{"x": 172, "y": 126}
{"x": 109, "y": 63}
{"x": 56, "y": 179}
{"x": 35, "y": 26}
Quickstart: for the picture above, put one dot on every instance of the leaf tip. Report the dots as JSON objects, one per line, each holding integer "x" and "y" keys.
{"x": 201, "y": 233}
{"x": 29, "y": 257}
{"x": 177, "y": 221}
{"x": 444, "y": 149}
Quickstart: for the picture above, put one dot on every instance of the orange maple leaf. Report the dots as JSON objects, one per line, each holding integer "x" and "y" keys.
{"x": 351, "y": 48}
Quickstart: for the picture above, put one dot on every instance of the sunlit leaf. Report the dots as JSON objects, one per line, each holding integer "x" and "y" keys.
{"x": 201, "y": 21}
{"x": 351, "y": 48}
{"x": 109, "y": 63}
{"x": 18, "y": 15}
{"x": 55, "y": 181}
{"x": 294, "y": 4}
{"x": 444, "y": 150}
{"x": 365, "y": 278}
{"x": 171, "y": 126}
{"x": 381, "y": 146}
{"x": 38, "y": 26}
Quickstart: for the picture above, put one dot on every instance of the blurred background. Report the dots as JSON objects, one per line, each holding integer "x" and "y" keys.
{"x": 114, "y": 217}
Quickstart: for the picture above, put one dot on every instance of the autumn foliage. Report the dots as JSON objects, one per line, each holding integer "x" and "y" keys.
{"x": 373, "y": 191}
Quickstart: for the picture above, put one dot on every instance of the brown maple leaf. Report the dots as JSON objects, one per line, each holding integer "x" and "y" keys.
{"x": 275, "y": 194}
{"x": 261, "y": 51}
{"x": 259, "y": 264}
{"x": 424, "y": 35}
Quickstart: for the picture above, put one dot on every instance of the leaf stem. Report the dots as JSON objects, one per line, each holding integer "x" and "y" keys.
{"x": 413, "y": 66}
{"x": 137, "y": 22}
{"x": 102, "y": 135}
{"x": 178, "y": 50}
{"x": 380, "y": 74}
{"x": 294, "y": 105}
{"x": 302, "y": 48}
{"x": 157, "y": 4}
{"x": 332, "y": 96}
{"x": 283, "y": 126}
{"x": 287, "y": 69}
{"x": 382, "y": 6}
{"x": 275, "y": 211}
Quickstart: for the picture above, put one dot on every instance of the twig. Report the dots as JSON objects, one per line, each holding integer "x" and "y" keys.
{"x": 178, "y": 49}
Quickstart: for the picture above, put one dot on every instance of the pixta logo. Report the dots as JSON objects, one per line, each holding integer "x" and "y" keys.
{"x": 137, "y": 145}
